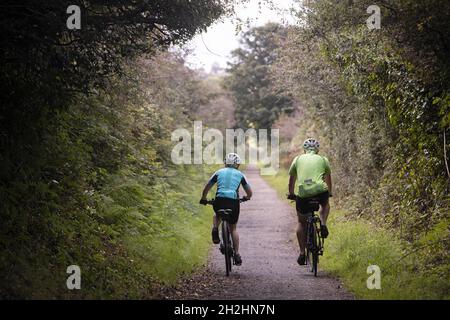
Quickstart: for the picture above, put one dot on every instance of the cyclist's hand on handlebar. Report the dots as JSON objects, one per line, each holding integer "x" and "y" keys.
{"x": 291, "y": 196}
{"x": 203, "y": 202}
{"x": 245, "y": 198}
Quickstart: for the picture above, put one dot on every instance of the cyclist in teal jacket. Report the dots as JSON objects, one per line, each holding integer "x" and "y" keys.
{"x": 228, "y": 180}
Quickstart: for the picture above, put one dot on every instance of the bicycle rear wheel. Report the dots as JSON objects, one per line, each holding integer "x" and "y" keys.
{"x": 227, "y": 247}
{"x": 314, "y": 249}
{"x": 309, "y": 259}
{"x": 309, "y": 246}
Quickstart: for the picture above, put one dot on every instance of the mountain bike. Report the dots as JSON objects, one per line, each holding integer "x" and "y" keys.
{"x": 226, "y": 242}
{"x": 314, "y": 240}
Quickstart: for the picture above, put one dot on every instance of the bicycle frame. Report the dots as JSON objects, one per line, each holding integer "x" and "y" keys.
{"x": 314, "y": 219}
{"x": 314, "y": 241}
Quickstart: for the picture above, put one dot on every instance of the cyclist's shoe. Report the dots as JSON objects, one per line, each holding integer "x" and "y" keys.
{"x": 323, "y": 231}
{"x": 301, "y": 259}
{"x": 222, "y": 249}
{"x": 237, "y": 259}
{"x": 215, "y": 235}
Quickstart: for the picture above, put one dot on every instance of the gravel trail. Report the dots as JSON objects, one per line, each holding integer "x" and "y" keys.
{"x": 269, "y": 251}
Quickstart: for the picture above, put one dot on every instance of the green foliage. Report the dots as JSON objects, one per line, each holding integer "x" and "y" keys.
{"x": 86, "y": 176}
{"x": 378, "y": 101}
{"x": 97, "y": 188}
{"x": 164, "y": 231}
{"x": 258, "y": 105}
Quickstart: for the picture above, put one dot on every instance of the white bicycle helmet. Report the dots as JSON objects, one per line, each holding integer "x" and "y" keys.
{"x": 232, "y": 159}
{"x": 311, "y": 144}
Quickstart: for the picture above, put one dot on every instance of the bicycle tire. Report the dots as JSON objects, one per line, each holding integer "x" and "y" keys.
{"x": 308, "y": 259}
{"x": 230, "y": 248}
{"x": 315, "y": 249}
{"x": 309, "y": 246}
{"x": 227, "y": 249}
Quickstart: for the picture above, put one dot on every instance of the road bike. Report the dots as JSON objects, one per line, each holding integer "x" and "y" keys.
{"x": 226, "y": 242}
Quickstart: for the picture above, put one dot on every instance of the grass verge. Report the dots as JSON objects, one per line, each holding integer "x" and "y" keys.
{"x": 161, "y": 230}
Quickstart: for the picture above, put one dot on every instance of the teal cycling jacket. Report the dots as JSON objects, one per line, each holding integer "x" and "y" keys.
{"x": 228, "y": 181}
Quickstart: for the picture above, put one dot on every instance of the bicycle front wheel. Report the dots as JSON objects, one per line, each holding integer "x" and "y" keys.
{"x": 227, "y": 247}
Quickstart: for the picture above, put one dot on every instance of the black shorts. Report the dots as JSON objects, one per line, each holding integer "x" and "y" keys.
{"x": 303, "y": 204}
{"x": 227, "y": 203}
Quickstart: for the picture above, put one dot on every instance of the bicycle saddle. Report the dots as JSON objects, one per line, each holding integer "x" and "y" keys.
{"x": 225, "y": 211}
{"x": 313, "y": 204}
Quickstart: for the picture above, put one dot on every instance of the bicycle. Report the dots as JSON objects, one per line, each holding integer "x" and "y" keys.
{"x": 226, "y": 244}
{"x": 314, "y": 240}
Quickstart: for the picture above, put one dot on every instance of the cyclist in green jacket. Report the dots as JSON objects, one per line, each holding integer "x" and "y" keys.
{"x": 313, "y": 174}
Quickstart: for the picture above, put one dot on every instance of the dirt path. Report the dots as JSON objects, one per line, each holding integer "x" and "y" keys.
{"x": 269, "y": 252}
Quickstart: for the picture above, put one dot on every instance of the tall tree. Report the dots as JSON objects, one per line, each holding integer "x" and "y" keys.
{"x": 258, "y": 104}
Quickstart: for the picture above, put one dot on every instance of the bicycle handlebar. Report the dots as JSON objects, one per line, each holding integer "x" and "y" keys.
{"x": 211, "y": 202}
{"x": 295, "y": 197}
